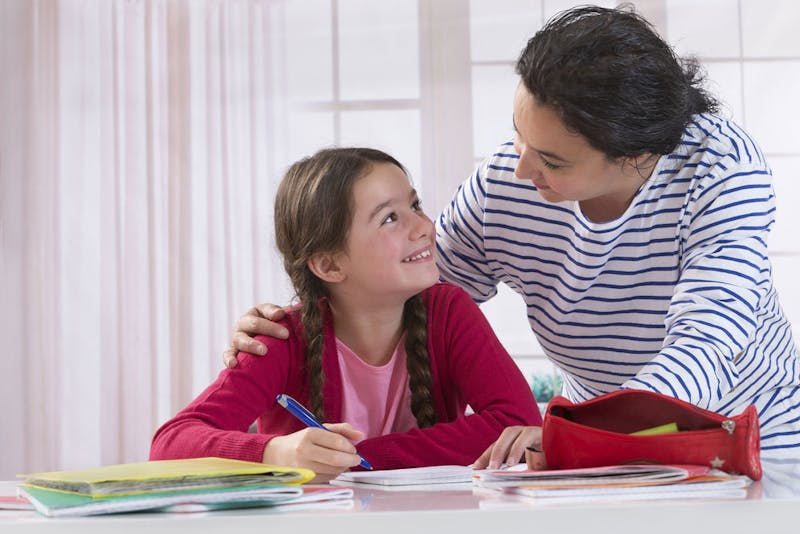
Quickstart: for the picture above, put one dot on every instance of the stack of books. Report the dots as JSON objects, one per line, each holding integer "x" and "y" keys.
{"x": 173, "y": 485}
{"x": 618, "y": 482}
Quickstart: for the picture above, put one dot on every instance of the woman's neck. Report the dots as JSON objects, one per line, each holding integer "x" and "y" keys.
{"x": 607, "y": 208}
{"x": 611, "y": 206}
{"x": 371, "y": 332}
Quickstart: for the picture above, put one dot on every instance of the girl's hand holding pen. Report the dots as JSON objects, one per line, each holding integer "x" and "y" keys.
{"x": 326, "y": 452}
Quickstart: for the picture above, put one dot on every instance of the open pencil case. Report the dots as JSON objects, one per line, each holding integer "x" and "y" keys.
{"x": 597, "y": 432}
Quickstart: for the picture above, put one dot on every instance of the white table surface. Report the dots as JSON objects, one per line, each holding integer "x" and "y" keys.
{"x": 772, "y": 506}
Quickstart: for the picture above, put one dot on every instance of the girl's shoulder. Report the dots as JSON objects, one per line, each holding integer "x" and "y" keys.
{"x": 285, "y": 349}
{"x": 443, "y": 293}
{"x": 442, "y": 288}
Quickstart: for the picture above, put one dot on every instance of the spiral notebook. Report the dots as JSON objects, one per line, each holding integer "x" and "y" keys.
{"x": 437, "y": 477}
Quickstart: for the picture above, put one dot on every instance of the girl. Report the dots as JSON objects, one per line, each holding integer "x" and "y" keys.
{"x": 375, "y": 342}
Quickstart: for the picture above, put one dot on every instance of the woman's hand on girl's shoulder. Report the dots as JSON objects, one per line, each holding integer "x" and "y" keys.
{"x": 259, "y": 320}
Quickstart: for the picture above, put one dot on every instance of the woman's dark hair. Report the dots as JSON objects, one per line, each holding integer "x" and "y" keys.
{"x": 313, "y": 214}
{"x": 613, "y": 80}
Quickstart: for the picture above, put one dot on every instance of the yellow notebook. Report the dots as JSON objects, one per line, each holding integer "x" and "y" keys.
{"x": 167, "y": 475}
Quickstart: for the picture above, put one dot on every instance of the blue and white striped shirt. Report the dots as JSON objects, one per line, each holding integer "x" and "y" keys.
{"x": 675, "y": 296}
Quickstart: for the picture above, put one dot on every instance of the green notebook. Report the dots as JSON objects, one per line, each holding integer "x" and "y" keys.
{"x": 54, "y": 503}
{"x": 166, "y": 475}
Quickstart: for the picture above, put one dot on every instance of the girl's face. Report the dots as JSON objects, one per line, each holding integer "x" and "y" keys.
{"x": 391, "y": 243}
{"x": 562, "y": 164}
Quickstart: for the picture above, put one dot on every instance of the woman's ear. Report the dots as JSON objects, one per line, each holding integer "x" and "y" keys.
{"x": 641, "y": 165}
{"x": 326, "y": 267}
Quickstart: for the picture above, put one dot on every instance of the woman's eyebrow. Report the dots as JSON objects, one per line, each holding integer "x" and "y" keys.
{"x": 550, "y": 155}
{"x": 544, "y": 153}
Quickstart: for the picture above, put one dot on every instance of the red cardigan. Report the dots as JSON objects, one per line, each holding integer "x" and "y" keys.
{"x": 469, "y": 366}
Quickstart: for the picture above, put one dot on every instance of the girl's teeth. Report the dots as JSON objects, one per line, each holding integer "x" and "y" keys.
{"x": 418, "y": 256}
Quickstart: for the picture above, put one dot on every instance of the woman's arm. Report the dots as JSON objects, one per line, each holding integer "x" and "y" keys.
{"x": 724, "y": 277}
{"x": 262, "y": 319}
{"x": 461, "y": 254}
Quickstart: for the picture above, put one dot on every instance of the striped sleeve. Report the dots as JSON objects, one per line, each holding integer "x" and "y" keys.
{"x": 461, "y": 253}
{"x": 724, "y": 278}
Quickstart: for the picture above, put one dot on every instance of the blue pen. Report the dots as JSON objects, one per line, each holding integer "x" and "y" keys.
{"x": 300, "y": 411}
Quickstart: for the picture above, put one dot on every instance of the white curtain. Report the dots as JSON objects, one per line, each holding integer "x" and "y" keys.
{"x": 140, "y": 145}
{"x": 137, "y": 169}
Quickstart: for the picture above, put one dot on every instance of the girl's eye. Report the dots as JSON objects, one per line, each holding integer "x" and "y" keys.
{"x": 392, "y": 217}
{"x": 417, "y": 205}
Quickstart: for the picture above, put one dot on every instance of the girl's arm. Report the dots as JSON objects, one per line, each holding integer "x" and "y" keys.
{"x": 469, "y": 366}
{"x": 216, "y": 423}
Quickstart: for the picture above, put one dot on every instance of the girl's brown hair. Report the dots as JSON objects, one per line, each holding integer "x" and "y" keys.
{"x": 313, "y": 214}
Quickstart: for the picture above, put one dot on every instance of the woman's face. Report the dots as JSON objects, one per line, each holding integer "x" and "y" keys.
{"x": 562, "y": 165}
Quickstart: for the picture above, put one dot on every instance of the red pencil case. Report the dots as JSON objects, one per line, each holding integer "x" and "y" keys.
{"x": 597, "y": 432}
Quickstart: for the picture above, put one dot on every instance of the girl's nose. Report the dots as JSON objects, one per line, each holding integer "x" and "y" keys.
{"x": 422, "y": 227}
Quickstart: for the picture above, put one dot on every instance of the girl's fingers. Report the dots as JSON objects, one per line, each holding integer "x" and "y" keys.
{"x": 346, "y": 430}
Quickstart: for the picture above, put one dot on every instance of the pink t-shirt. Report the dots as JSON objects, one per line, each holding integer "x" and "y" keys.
{"x": 376, "y": 399}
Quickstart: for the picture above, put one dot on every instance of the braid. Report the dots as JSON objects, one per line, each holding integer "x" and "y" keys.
{"x": 415, "y": 323}
{"x": 312, "y": 327}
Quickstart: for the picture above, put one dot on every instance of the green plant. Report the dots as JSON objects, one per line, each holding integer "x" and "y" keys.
{"x": 545, "y": 386}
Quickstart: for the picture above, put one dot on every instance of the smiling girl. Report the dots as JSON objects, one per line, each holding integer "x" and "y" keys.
{"x": 377, "y": 348}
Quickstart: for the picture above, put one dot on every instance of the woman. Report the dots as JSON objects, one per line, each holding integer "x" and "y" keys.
{"x": 634, "y": 222}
